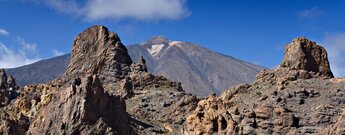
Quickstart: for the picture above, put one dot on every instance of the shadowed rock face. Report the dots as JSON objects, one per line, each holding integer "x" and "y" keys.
{"x": 83, "y": 109}
{"x": 76, "y": 103}
{"x": 8, "y": 88}
{"x": 298, "y": 97}
{"x": 303, "y": 54}
{"x": 99, "y": 51}
{"x": 82, "y": 105}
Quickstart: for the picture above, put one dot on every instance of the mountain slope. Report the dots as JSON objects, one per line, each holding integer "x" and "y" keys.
{"x": 200, "y": 70}
{"x": 40, "y": 72}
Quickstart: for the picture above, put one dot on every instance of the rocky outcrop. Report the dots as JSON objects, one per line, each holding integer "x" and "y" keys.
{"x": 86, "y": 101}
{"x": 303, "y": 54}
{"x": 290, "y": 99}
{"x": 83, "y": 108}
{"x": 8, "y": 88}
{"x": 99, "y": 51}
{"x": 140, "y": 66}
{"x": 16, "y": 116}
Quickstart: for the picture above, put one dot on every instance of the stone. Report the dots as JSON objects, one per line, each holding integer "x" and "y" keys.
{"x": 8, "y": 88}
{"x": 99, "y": 51}
{"x": 303, "y": 54}
{"x": 88, "y": 111}
{"x": 3, "y": 79}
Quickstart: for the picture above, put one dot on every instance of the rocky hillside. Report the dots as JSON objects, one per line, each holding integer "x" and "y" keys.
{"x": 298, "y": 97}
{"x": 201, "y": 71}
{"x": 101, "y": 92}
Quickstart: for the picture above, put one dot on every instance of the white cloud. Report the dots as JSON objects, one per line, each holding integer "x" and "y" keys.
{"x": 138, "y": 9}
{"x": 25, "y": 54}
{"x": 335, "y": 45}
{"x": 312, "y": 13}
{"x": 64, "y": 6}
{"x": 121, "y": 9}
{"x": 27, "y": 48}
{"x": 57, "y": 52}
{"x": 4, "y": 32}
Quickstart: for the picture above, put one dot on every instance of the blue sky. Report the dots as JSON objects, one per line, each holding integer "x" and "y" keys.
{"x": 252, "y": 30}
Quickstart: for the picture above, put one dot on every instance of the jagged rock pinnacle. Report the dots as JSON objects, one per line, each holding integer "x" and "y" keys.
{"x": 8, "y": 88}
{"x": 303, "y": 54}
{"x": 3, "y": 78}
{"x": 98, "y": 51}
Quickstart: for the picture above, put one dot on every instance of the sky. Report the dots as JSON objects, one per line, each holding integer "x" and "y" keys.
{"x": 251, "y": 30}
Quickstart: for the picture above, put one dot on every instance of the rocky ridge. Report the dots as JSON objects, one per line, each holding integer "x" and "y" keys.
{"x": 298, "y": 97}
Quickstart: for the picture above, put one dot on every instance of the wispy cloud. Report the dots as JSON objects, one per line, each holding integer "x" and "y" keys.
{"x": 312, "y": 13}
{"x": 57, "y": 52}
{"x": 4, "y": 32}
{"x": 335, "y": 45}
{"x": 121, "y": 9}
{"x": 25, "y": 54}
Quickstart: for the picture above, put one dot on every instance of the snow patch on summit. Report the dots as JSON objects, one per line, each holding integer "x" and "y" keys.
{"x": 175, "y": 43}
{"x": 155, "y": 49}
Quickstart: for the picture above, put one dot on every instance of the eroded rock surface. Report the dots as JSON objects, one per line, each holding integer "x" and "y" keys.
{"x": 8, "y": 88}
{"x": 83, "y": 109}
{"x": 298, "y": 97}
{"x": 99, "y": 51}
{"x": 303, "y": 54}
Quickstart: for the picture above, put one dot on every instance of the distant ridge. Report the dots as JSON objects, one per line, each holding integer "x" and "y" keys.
{"x": 41, "y": 71}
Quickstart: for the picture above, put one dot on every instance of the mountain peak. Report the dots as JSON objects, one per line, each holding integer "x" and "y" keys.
{"x": 157, "y": 40}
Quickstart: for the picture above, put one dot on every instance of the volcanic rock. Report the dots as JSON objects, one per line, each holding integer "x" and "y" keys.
{"x": 84, "y": 109}
{"x": 303, "y": 54}
{"x": 99, "y": 51}
{"x": 8, "y": 88}
{"x": 294, "y": 98}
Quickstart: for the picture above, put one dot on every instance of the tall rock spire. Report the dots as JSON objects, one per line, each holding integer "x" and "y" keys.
{"x": 99, "y": 51}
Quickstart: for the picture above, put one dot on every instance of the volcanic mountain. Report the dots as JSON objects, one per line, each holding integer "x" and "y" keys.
{"x": 200, "y": 70}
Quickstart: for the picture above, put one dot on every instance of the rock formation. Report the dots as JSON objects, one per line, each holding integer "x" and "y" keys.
{"x": 83, "y": 108}
{"x": 298, "y": 97}
{"x": 90, "y": 97}
{"x": 304, "y": 54}
{"x": 8, "y": 88}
